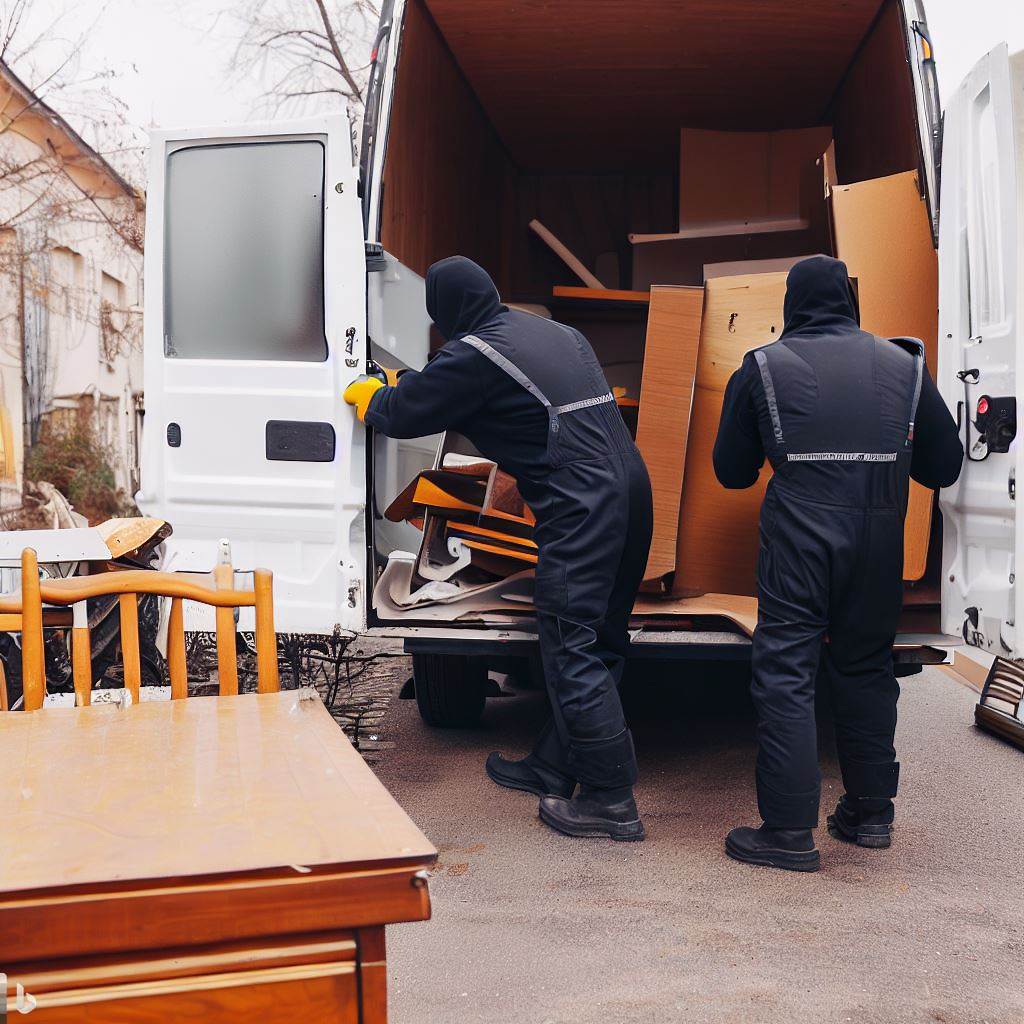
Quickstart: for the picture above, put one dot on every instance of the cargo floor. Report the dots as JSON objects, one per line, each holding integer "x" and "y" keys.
{"x": 531, "y": 928}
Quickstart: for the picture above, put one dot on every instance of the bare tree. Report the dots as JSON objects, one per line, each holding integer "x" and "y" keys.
{"x": 58, "y": 191}
{"x": 306, "y": 51}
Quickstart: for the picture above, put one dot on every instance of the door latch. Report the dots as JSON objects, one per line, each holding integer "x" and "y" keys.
{"x": 996, "y": 422}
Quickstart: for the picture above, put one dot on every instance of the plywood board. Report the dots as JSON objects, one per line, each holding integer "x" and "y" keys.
{"x": 740, "y": 611}
{"x": 883, "y": 234}
{"x": 717, "y": 544}
{"x": 666, "y": 395}
{"x": 242, "y": 783}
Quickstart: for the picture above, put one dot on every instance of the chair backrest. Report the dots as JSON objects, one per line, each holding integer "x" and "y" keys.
{"x": 127, "y": 585}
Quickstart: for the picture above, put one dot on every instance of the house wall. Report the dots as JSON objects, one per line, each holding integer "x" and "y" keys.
{"x": 70, "y": 295}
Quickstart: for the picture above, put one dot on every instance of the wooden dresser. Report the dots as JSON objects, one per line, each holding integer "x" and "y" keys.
{"x": 214, "y": 859}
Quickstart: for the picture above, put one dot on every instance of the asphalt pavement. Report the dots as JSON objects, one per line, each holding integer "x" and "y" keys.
{"x": 532, "y": 927}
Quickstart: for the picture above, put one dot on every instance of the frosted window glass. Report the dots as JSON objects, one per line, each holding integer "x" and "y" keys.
{"x": 244, "y": 233}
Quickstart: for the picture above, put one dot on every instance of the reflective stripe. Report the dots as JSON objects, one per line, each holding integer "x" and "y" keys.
{"x": 841, "y": 456}
{"x": 769, "y": 394}
{"x": 510, "y": 368}
{"x": 586, "y": 403}
{"x": 919, "y": 360}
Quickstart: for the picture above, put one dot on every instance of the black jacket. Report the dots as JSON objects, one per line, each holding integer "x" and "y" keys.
{"x": 828, "y": 402}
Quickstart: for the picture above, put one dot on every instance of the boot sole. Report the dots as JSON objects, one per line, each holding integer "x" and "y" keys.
{"x": 621, "y": 832}
{"x": 508, "y": 783}
{"x": 881, "y": 841}
{"x": 785, "y": 859}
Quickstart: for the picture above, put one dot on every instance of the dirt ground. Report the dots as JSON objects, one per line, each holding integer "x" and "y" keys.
{"x": 535, "y": 928}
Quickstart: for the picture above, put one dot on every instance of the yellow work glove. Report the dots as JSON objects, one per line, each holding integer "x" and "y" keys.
{"x": 359, "y": 393}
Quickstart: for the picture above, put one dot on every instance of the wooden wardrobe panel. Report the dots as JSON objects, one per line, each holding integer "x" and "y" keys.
{"x": 716, "y": 550}
{"x": 884, "y": 235}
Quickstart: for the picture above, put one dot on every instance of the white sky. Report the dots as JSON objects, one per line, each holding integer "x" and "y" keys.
{"x": 170, "y": 55}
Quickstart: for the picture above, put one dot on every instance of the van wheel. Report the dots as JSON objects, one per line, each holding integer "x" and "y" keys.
{"x": 450, "y": 689}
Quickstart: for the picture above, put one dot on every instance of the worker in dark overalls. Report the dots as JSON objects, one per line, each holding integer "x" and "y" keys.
{"x": 530, "y": 394}
{"x": 845, "y": 419}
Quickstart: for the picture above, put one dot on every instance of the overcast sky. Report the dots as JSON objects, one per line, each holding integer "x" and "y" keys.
{"x": 171, "y": 55}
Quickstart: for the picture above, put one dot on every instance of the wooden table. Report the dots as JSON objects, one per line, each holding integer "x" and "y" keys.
{"x": 210, "y": 859}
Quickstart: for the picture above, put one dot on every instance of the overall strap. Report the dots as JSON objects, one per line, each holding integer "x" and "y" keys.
{"x": 916, "y": 348}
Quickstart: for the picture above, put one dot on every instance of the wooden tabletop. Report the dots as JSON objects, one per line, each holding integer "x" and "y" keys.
{"x": 193, "y": 787}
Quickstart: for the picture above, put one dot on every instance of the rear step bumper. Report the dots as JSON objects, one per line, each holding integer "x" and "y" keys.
{"x": 910, "y": 652}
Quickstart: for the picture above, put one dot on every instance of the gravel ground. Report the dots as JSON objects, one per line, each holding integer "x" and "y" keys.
{"x": 535, "y": 928}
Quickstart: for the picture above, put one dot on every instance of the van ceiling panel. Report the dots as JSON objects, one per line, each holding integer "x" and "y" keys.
{"x": 602, "y": 84}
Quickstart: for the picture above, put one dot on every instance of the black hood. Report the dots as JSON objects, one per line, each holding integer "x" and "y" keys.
{"x": 461, "y": 297}
{"x": 819, "y": 294}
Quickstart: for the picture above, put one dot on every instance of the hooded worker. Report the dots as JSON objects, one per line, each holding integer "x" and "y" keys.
{"x": 530, "y": 394}
{"x": 846, "y": 420}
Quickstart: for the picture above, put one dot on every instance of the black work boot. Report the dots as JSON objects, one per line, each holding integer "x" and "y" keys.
{"x": 529, "y": 774}
{"x": 866, "y": 822}
{"x": 595, "y": 812}
{"x": 789, "y": 848}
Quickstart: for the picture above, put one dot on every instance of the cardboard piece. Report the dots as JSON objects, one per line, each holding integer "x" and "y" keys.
{"x": 666, "y": 396}
{"x": 717, "y": 543}
{"x": 883, "y": 234}
{"x": 747, "y": 176}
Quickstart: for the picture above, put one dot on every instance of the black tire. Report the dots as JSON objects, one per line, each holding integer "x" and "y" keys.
{"x": 450, "y": 689}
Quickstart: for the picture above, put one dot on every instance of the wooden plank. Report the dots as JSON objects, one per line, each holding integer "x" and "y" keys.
{"x": 563, "y": 291}
{"x": 666, "y": 396}
{"x": 717, "y": 545}
{"x": 249, "y": 782}
{"x": 884, "y": 236}
{"x": 565, "y": 255}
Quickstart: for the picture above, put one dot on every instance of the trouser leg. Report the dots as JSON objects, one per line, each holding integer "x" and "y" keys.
{"x": 863, "y": 687}
{"x": 793, "y": 574}
{"x": 587, "y": 578}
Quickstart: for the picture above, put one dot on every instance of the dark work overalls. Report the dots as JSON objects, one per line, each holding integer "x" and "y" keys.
{"x": 530, "y": 394}
{"x": 845, "y": 419}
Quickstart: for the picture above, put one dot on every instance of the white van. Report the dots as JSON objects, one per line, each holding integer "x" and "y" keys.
{"x": 277, "y": 266}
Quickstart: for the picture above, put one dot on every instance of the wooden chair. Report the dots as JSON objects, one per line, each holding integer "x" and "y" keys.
{"x": 127, "y": 585}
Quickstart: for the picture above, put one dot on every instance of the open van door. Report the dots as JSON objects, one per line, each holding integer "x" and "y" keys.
{"x": 255, "y": 322}
{"x": 980, "y": 339}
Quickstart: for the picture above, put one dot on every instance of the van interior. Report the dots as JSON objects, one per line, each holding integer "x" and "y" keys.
{"x": 681, "y": 156}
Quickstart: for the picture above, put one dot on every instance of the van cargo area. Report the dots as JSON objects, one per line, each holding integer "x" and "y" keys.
{"x": 648, "y": 177}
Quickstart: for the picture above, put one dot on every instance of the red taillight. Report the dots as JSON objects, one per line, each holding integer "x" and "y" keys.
{"x": 982, "y": 406}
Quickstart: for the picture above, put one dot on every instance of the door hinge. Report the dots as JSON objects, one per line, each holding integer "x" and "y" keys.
{"x": 376, "y": 259}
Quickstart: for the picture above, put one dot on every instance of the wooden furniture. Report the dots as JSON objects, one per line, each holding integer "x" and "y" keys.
{"x": 219, "y": 859}
{"x": 24, "y": 612}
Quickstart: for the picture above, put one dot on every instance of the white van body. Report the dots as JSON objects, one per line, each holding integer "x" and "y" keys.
{"x": 294, "y": 497}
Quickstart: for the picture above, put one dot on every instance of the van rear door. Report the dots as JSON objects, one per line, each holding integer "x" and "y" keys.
{"x": 980, "y": 341}
{"x": 255, "y": 321}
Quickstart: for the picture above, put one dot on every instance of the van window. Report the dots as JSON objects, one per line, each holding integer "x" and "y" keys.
{"x": 244, "y": 265}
